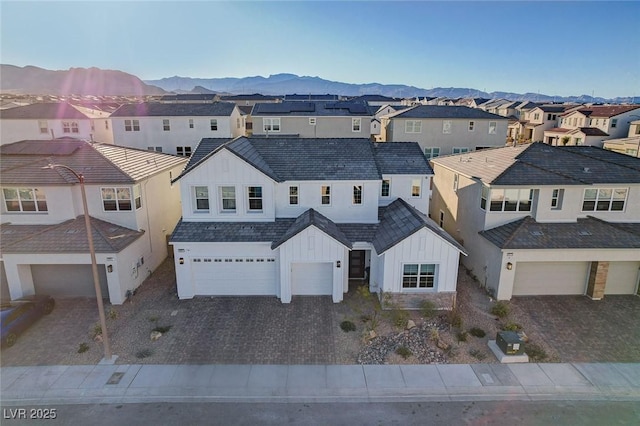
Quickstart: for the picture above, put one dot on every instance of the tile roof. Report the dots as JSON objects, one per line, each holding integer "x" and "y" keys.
{"x": 67, "y": 237}
{"x": 157, "y": 109}
{"x": 313, "y": 109}
{"x": 311, "y": 97}
{"x": 592, "y": 131}
{"x": 540, "y": 164}
{"x": 286, "y": 159}
{"x": 44, "y": 111}
{"x": 401, "y": 158}
{"x": 587, "y": 233}
{"x": 313, "y": 218}
{"x": 253, "y": 97}
{"x": 440, "y": 111}
{"x": 23, "y": 162}
{"x": 557, "y": 130}
{"x": 605, "y": 110}
{"x": 553, "y": 108}
{"x": 189, "y": 97}
{"x": 238, "y": 232}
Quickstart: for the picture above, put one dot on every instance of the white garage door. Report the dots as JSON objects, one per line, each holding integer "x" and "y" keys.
{"x": 68, "y": 280}
{"x": 622, "y": 278}
{"x": 547, "y": 278}
{"x": 234, "y": 276}
{"x": 312, "y": 279}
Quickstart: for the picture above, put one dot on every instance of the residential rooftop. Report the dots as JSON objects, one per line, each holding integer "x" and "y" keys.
{"x": 313, "y": 109}
{"x": 43, "y": 111}
{"x": 445, "y": 112}
{"x": 157, "y": 109}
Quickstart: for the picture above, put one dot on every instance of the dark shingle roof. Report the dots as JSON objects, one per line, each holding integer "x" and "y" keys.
{"x": 205, "y": 147}
{"x": 189, "y": 97}
{"x": 586, "y": 233}
{"x": 45, "y": 111}
{"x": 239, "y": 232}
{"x": 401, "y": 158}
{"x": 314, "y": 109}
{"x": 554, "y": 108}
{"x": 440, "y": 111}
{"x": 66, "y": 237}
{"x": 311, "y": 97}
{"x": 593, "y": 131}
{"x": 606, "y": 110}
{"x": 313, "y": 218}
{"x": 253, "y": 97}
{"x": 157, "y": 109}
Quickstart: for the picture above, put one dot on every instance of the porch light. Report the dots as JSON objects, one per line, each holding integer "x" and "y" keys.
{"x": 109, "y": 268}
{"x": 509, "y": 266}
{"x": 337, "y": 263}
{"x": 182, "y": 260}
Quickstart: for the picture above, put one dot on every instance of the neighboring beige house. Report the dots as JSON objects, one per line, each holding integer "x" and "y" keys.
{"x": 538, "y": 219}
{"x": 534, "y": 122}
{"x": 131, "y": 202}
{"x": 629, "y": 145}
{"x": 444, "y": 130}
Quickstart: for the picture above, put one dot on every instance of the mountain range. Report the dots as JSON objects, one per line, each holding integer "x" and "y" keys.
{"x": 98, "y": 82}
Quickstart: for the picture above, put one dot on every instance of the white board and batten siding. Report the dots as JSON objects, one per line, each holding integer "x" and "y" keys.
{"x": 423, "y": 247}
{"x": 312, "y": 246}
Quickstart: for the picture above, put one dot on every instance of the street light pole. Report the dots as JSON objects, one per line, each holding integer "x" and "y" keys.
{"x": 94, "y": 263}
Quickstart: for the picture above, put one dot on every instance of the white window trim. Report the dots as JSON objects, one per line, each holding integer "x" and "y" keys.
{"x": 460, "y": 149}
{"x": 235, "y": 198}
{"x": 117, "y": 200}
{"x": 356, "y": 122}
{"x": 323, "y": 195}
{"x": 413, "y": 126}
{"x": 493, "y": 127}
{"x": 611, "y": 200}
{"x": 312, "y": 121}
{"x": 268, "y": 124}
{"x": 33, "y": 191}
{"x": 419, "y": 289}
{"x": 413, "y": 181}
{"x": 557, "y": 198}
{"x": 430, "y": 156}
{"x": 213, "y": 122}
{"x": 353, "y": 195}
{"x": 249, "y": 198}
{"x": 517, "y": 209}
{"x": 472, "y": 125}
{"x": 382, "y": 186}
{"x": 446, "y": 127}
{"x": 297, "y": 196}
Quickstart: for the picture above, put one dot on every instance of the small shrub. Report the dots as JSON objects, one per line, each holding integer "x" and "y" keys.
{"x": 398, "y": 317}
{"x": 113, "y": 314}
{"x": 404, "y": 352}
{"x": 144, "y": 353}
{"x": 163, "y": 329}
{"x": 347, "y": 326}
{"x": 434, "y": 334}
{"x": 82, "y": 348}
{"x": 462, "y": 336}
{"x": 455, "y": 320}
{"x": 535, "y": 352}
{"x": 477, "y": 354}
{"x": 427, "y": 309}
{"x": 511, "y": 326}
{"x": 477, "y": 332}
{"x": 500, "y": 309}
{"x": 97, "y": 329}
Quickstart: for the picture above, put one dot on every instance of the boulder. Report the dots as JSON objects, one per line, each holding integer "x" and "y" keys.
{"x": 410, "y": 324}
{"x": 155, "y": 335}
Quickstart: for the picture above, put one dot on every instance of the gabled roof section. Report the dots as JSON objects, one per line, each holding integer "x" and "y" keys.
{"x": 158, "y": 109}
{"x": 23, "y": 163}
{"x": 253, "y": 97}
{"x": 592, "y": 131}
{"x": 205, "y": 147}
{"x": 66, "y": 237}
{"x": 313, "y": 218}
{"x": 606, "y": 110}
{"x": 587, "y": 233}
{"x": 401, "y": 158}
{"x": 221, "y": 232}
{"x": 399, "y": 220}
{"x": 313, "y": 109}
{"x": 446, "y": 112}
{"x": 44, "y": 111}
{"x": 188, "y": 97}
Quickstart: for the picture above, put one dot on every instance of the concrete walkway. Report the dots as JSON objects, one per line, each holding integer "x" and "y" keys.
{"x": 48, "y": 385}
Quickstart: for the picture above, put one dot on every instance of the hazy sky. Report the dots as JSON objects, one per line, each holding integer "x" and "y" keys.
{"x": 555, "y": 48}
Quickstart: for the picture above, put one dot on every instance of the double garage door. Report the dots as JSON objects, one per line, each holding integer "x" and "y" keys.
{"x": 234, "y": 276}
{"x": 68, "y": 280}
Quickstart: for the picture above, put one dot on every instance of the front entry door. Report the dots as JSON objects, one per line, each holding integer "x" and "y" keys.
{"x": 356, "y": 264}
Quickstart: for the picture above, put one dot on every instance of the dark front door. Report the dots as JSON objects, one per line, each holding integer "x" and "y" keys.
{"x": 356, "y": 264}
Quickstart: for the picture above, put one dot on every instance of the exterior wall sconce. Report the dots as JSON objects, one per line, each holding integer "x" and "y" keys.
{"x": 509, "y": 266}
{"x": 109, "y": 268}
{"x": 181, "y": 260}
{"x": 337, "y": 263}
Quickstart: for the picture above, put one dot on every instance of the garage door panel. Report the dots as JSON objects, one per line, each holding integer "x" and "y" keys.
{"x": 234, "y": 278}
{"x": 550, "y": 278}
{"x": 312, "y": 279}
{"x": 622, "y": 278}
{"x": 68, "y": 280}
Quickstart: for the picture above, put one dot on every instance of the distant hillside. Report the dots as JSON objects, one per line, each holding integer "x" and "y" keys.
{"x": 76, "y": 81}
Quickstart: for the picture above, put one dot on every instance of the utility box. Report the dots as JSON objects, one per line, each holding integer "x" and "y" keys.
{"x": 510, "y": 343}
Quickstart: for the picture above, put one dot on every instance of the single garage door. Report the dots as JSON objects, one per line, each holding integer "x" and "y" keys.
{"x": 548, "y": 278}
{"x": 622, "y": 278}
{"x": 68, "y": 280}
{"x": 234, "y": 276}
{"x": 312, "y": 279}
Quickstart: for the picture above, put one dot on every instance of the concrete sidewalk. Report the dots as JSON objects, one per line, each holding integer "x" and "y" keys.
{"x": 48, "y": 385}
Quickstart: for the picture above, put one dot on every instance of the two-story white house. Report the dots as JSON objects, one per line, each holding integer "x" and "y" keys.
{"x": 289, "y": 217}
{"x": 629, "y": 145}
{"x": 544, "y": 220}
{"x": 444, "y": 130}
{"x": 174, "y": 128}
{"x": 132, "y": 205}
{"x": 42, "y": 121}
{"x": 313, "y": 119}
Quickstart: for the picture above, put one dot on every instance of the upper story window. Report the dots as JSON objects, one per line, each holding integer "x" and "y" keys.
{"x": 325, "y": 192}
{"x": 511, "y": 200}
{"x": 312, "y": 121}
{"x": 137, "y": 196}
{"x": 70, "y": 127}
{"x": 357, "y": 194}
{"x": 166, "y": 125}
{"x": 493, "y": 125}
{"x": 254, "y": 194}
{"x": 604, "y": 199}
{"x": 131, "y": 125}
{"x": 413, "y": 126}
{"x": 556, "y": 199}
{"x": 578, "y": 141}
{"x": 415, "y": 276}
{"x": 201, "y": 198}
{"x": 484, "y": 196}
{"x": 293, "y": 195}
{"x": 446, "y": 127}
{"x": 460, "y": 149}
{"x": 116, "y": 199}
{"x": 238, "y": 123}
{"x": 416, "y": 188}
{"x": 191, "y": 125}
{"x": 385, "y": 190}
{"x": 228, "y": 198}
{"x": 213, "y": 123}
{"x": 456, "y": 182}
{"x": 432, "y": 152}
{"x": 271, "y": 124}
{"x": 472, "y": 125}
{"x": 106, "y": 124}
{"x": 183, "y": 151}
{"x": 356, "y": 124}
{"x": 24, "y": 200}
{"x": 637, "y": 132}
{"x": 44, "y": 126}
{"x": 614, "y": 123}
{"x": 536, "y": 116}
{"x": 154, "y": 148}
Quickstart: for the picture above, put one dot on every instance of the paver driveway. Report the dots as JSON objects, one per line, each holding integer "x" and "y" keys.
{"x": 585, "y": 330}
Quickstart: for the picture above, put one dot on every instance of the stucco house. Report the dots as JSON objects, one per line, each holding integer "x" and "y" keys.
{"x": 534, "y": 122}
{"x": 629, "y": 145}
{"x": 132, "y": 205}
{"x": 544, "y": 220}
{"x": 313, "y": 119}
{"x": 174, "y": 128}
{"x": 43, "y": 121}
{"x": 289, "y": 217}
{"x": 444, "y": 130}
